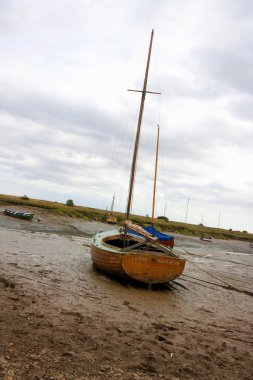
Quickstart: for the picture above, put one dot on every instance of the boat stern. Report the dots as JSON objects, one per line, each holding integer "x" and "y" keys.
{"x": 152, "y": 269}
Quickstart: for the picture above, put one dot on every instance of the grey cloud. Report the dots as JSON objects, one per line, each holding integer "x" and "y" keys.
{"x": 200, "y": 88}
{"x": 238, "y": 9}
{"x": 55, "y": 112}
{"x": 242, "y": 109}
{"x": 231, "y": 69}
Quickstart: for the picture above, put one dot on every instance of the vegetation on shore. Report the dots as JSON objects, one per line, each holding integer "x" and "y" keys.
{"x": 88, "y": 213}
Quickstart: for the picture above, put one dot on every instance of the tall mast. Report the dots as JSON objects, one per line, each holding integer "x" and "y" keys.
{"x": 137, "y": 138}
{"x": 156, "y": 162}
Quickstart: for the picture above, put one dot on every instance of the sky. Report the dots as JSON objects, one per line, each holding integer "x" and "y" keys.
{"x": 68, "y": 122}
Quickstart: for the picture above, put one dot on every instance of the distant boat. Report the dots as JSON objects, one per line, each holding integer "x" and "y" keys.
{"x": 19, "y": 214}
{"x": 206, "y": 238}
{"x": 132, "y": 252}
{"x": 251, "y": 245}
{"x": 110, "y": 218}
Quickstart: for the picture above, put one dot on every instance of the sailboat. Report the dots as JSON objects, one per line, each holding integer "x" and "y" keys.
{"x": 138, "y": 256}
{"x": 110, "y": 217}
{"x": 164, "y": 239}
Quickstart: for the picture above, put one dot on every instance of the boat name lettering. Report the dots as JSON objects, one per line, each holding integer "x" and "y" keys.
{"x": 167, "y": 261}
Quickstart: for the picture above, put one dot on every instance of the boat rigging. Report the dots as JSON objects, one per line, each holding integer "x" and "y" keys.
{"x": 132, "y": 252}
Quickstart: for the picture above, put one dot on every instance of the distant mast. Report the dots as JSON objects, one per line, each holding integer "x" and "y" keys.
{"x": 137, "y": 138}
{"x": 112, "y": 205}
{"x": 156, "y": 163}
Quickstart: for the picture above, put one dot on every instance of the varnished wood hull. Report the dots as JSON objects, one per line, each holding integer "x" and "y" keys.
{"x": 149, "y": 267}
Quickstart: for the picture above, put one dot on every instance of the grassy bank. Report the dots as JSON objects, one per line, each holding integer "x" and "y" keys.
{"x": 88, "y": 213}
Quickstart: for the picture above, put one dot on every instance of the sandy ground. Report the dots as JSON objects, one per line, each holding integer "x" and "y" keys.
{"x": 61, "y": 319}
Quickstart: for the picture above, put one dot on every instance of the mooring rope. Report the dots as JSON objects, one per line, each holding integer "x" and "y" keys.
{"x": 227, "y": 285}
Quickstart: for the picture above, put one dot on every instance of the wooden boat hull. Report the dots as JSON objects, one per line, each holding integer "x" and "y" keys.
{"x": 20, "y": 215}
{"x": 151, "y": 267}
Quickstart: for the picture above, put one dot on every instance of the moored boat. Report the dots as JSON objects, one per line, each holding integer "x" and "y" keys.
{"x": 19, "y": 214}
{"x": 131, "y": 252}
{"x": 140, "y": 257}
{"x": 110, "y": 218}
{"x": 209, "y": 239}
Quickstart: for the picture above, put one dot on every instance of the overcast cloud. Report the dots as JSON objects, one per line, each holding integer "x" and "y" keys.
{"x": 68, "y": 123}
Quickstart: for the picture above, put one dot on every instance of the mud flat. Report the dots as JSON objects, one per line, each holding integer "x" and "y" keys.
{"x": 61, "y": 319}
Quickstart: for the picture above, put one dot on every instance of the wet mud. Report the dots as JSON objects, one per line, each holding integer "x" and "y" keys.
{"x": 62, "y": 319}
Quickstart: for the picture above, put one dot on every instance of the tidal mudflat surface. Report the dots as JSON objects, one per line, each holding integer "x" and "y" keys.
{"x": 61, "y": 319}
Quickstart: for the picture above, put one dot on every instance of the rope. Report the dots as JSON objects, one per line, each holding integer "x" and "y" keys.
{"x": 123, "y": 140}
{"x": 227, "y": 285}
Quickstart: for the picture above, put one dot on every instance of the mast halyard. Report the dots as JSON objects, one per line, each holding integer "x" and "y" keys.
{"x": 137, "y": 138}
{"x": 156, "y": 163}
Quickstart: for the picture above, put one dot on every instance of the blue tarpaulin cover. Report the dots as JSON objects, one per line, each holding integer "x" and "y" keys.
{"x": 153, "y": 231}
